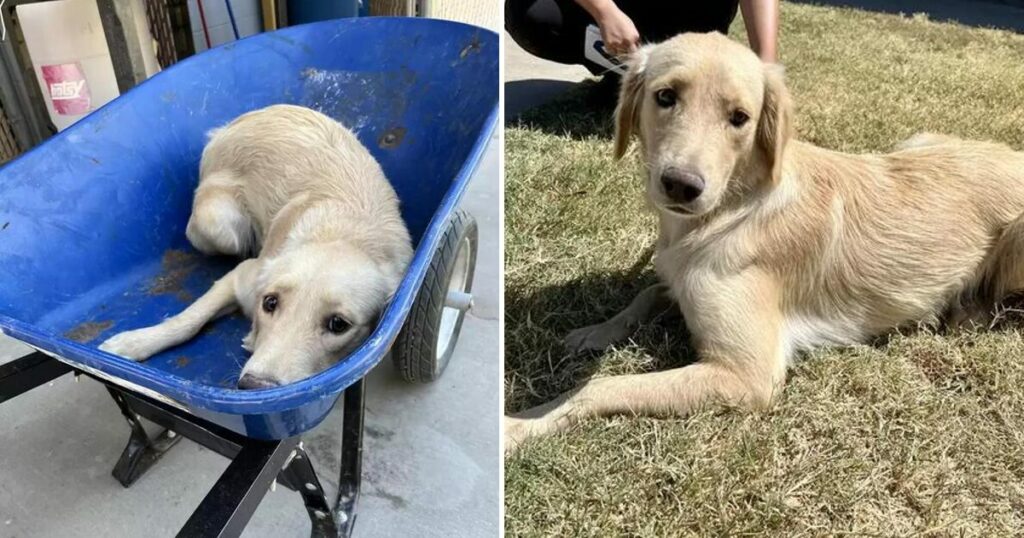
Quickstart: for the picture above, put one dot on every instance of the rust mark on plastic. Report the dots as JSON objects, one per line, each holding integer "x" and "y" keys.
{"x": 182, "y": 361}
{"x": 177, "y": 265}
{"x": 87, "y": 331}
{"x": 392, "y": 137}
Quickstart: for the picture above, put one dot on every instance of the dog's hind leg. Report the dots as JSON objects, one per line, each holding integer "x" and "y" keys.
{"x": 224, "y": 297}
{"x": 743, "y": 363}
{"x": 220, "y": 223}
{"x": 648, "y": 304}
{"x": 1002, "y": 275}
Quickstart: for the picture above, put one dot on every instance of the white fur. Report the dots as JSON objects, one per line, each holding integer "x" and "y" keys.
{"x": 300, "y": 190}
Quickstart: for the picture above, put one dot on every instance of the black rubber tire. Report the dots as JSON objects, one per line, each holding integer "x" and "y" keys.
{"x": 415, "y": 350}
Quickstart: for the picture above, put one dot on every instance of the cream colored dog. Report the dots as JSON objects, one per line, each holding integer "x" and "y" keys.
{"x": 299, "y": 190}
{"x": 771, "y": 246}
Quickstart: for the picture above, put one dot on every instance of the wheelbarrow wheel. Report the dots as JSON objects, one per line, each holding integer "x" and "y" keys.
{"x": 425, "y": 344}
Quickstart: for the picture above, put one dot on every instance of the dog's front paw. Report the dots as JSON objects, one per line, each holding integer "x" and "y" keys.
{"x": 593, "y": 338}
{"x": 516, "y": 431}
{"x": 137, "y": 345}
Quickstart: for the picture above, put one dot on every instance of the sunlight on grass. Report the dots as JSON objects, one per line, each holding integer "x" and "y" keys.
{"x": 919, "y": 435}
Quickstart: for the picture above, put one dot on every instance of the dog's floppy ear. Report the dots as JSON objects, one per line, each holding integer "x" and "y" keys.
{"x": 627, "y": 112}
{"x": 775, "y": 126}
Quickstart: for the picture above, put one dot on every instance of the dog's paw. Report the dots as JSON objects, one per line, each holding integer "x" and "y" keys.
{"x": 516, "y": 431}
{"x": 593, "y": 338}
{"x": 137, "y": 345}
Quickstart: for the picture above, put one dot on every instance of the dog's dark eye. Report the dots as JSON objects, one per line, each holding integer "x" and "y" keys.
{"x": 270, "y": 303}
{"x": 738, "y": 118}
{"x": 665, "y": 98}
{"x": 337, "y": 324}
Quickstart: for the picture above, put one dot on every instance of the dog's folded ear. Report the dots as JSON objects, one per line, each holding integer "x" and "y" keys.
{"x": 627, "y": 112}
{"x": 775, "y": 126}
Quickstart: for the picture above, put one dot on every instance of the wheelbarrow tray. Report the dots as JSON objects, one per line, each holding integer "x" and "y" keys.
{"x": 92, "y": 222}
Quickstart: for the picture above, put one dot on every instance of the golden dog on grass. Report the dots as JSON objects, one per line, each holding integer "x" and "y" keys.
{"x": 771, "y": 246}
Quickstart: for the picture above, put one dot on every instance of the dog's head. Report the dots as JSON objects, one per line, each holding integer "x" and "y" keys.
{"x": 311, "y": 306}
{"x": 711, "y": 118}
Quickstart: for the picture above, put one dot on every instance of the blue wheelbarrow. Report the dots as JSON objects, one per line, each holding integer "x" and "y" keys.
{"x": 92, "y": 242}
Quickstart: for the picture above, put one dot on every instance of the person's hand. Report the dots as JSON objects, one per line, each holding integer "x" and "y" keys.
{"x": 618, "y": 32}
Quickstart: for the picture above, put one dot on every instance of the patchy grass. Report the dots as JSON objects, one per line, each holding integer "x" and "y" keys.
{"x": 919, "y": 435}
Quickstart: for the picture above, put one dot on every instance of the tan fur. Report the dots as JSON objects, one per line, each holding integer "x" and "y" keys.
{"x": 298, "y": 189}
{"x": 791, "y": 246}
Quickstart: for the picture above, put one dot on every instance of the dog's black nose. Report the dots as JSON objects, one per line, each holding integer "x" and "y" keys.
{"x": 249, "y": 382}
{"x": 681, "y": 186}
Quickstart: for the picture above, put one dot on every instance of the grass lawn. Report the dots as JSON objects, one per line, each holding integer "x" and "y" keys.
{"x": 919, "y": 435}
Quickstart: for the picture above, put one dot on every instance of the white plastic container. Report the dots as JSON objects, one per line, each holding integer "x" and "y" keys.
{"x": 70, "y": 57}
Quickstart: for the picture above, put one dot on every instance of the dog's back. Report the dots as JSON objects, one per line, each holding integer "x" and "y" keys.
{"x": 872, "y": 242}
{"x": 279, "y": 152}
{"x": 261, "y": 162}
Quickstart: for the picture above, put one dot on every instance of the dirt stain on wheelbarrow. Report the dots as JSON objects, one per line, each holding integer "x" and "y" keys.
{"x": 176, "y": 266}
{"x": 182, "y": 361}
{"x": 392, "y": 138}
{"x": 88, "y": 331}
{"x": 473, "y": 47}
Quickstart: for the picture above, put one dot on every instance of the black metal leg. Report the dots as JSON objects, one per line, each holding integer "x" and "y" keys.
{"x": 228, "y": 507}
{"x": 24, "y": 374}
{"x": 301, "y": 477}
{"x": 142, "y": 451}
{"x": 351, "y": 457}
{"x": 335, "y": 519}
{"x": 231, "y": 502}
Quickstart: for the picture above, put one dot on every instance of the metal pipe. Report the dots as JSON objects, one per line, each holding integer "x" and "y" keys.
{"x": 231, "y": 17}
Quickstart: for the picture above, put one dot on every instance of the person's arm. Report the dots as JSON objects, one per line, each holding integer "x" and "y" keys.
{"x": 761, "y": 17}
{"x": 617, "y": 30}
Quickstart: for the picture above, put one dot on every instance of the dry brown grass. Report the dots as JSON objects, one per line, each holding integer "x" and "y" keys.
{"x": 920, "y": 435}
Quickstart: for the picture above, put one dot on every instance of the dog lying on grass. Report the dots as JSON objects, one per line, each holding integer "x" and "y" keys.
{"x": 770, "y": 246}
{"x": 298, "y": 189}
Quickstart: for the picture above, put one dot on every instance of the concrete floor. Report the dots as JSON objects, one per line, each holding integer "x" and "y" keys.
{"x": 531, "y": 81}
{"x": 431, "y": 453}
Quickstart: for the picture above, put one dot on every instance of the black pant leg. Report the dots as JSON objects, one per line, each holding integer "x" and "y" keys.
{"x": 554, "y": 30}
{"x": 659, "y": 20}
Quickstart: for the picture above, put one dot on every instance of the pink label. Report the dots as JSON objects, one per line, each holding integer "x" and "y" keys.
{"x": 68, "y": 90}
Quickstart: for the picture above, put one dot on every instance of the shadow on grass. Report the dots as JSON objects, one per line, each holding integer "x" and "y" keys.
{"x": 585, "y": 111}
{"x": 523, "y": 95}
{"x": 537, "y": 366}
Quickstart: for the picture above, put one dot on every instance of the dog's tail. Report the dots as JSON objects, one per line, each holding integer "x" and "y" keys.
{"x": 220, "y": 223}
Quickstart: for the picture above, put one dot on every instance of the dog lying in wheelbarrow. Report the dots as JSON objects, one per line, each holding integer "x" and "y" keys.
{"x": 771, "y": 246}
{"x": 297, "y": 189}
